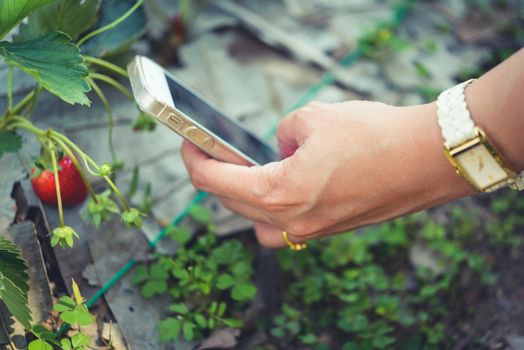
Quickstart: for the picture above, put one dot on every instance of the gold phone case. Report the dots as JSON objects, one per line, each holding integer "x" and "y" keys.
{"x": 181, "y": 123}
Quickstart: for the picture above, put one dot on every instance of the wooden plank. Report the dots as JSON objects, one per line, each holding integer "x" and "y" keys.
{"x": 112, "y": 245}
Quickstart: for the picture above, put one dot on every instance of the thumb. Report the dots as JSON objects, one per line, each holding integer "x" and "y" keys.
{"x": 294, "y": 129}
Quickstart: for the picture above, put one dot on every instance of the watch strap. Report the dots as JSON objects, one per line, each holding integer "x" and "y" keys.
{"x": 457, "y": 126}
{"x": 454, "y": 117}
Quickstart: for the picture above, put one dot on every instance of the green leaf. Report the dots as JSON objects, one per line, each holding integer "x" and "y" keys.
{"x": 13, "y": 265}
{"x": 221, "y": 308}
{"x": 65, "y": 303}
{"x": 169, "y": 329}
{"x": 154, "y": 287}
{"x": 157, "y": 271}
{"x": 187, "y": 330}
{"x": 79, "y": 315}
{"x": 39, "y": 344}
{"x": 76, "y": 292}
{"x": 13, "y": 12}
{"x": 201, "y": 214}
{"x": 79, "y": 339}
{"x": 118, "y": 39}
{"x": 308, "y": 339}
{"x": 179, "y": 308}
{"x": 243, "y": 292}
{"x": 242, "y": 269}
{"x": 14, "y": 281}
{"x": 181, "y": 235}
{"x": 278, "y": 332}
{"x": 16, "y": 301}
{"x": 55, "y": 62}
{"x": 225, "y": 281}
{"x": 72, "y": 17}
{"x": 233, "y": 322}
{"x": 211, "y": 323}
{"x": 9, "y": 142}
{"x": 213, "y": 307}
{"x": 141, "y": 274}
{"x": 200, "y": 321}
{"x": 65, "y": 344}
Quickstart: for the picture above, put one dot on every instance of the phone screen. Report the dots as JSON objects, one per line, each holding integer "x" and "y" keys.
{"x": 216, "y": 122}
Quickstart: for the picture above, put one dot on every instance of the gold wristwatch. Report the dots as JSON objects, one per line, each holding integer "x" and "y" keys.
{"x": 468, "y": 147}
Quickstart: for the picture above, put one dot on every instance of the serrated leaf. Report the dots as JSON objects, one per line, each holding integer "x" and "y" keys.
{"x": 13, "y": 12}
{"x": 13, "y": 265}
{"x": 9, "y": 142}
{"x": 121, "y": 37}
{"x": 39, "y": 344}
{"x": 72, "y": 17}
{"x": 169, "y": 329}
{"x": 16, "y": 302}
{"x": 55, "y": 62}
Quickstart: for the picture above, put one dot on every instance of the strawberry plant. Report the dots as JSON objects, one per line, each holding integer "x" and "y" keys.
{"x": 58, "y": 43}
{"x": 71, "y": 312}
{"x": 55, "y": 61}
{"x": 207, "y": 282}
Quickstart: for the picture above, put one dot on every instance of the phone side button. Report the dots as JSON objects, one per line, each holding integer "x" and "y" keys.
{"x": 208, "y": 143}
{"x": 175, "y": 121}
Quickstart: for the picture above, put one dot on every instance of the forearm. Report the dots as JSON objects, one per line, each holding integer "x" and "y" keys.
{"x": 496, "y": 103}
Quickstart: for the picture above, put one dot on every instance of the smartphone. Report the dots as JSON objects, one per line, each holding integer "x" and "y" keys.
{"x": 183, "y": 110}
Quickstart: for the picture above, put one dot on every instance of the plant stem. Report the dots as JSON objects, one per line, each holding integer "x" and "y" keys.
{"x": 108, "y": 65}
{"x": 113, "y": 83}
{"x": 28, "y": 98}
{"x": 20, "y": 122}
{"x": 34, "y": 99}
{"x": 97, "y": 168}
{"x": 78, "y": 167}
{"x": 117, "y": 192}
{"x": 112, "y": 24}
{"x": 107, "y": 106}
{"x": 51, "y": 148}
{"x": 10, "y": 91}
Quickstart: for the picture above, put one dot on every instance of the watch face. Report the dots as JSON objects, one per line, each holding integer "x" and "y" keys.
{"x": 481, "y": 167}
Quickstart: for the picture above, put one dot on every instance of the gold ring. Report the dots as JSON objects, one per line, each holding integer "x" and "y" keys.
{"x": 293, "y": 246}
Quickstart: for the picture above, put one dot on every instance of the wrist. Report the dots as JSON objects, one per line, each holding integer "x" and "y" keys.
{"x": 441, "y": 182}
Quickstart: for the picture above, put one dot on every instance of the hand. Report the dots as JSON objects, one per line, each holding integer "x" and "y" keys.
{"x": 345, "y": 165}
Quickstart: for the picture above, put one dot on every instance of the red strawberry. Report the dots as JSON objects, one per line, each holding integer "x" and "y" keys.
{"x": 72, "y": 187}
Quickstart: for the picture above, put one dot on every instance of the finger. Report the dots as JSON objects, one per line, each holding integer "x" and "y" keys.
{"x": 292, "y": 129}
{"x": 244, "y": 210}
{"x": 237, "y": 182}
{"x": 269, "y": 236}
